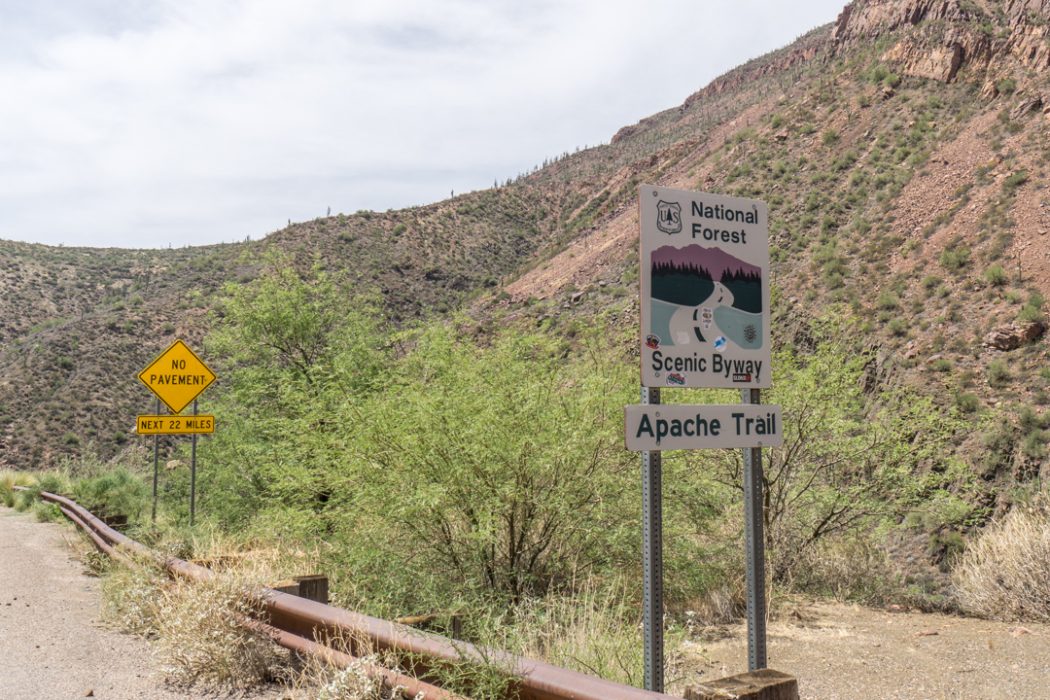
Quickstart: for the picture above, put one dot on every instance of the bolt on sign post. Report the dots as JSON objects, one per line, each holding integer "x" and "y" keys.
{"x": 704, "y": 283}
{"x": 177, "y": 377}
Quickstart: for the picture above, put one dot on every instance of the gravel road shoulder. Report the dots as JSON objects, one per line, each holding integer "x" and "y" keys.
{"x": 52, "y": 645}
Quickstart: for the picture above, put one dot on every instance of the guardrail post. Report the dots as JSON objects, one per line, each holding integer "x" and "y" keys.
{"x": 313, "y": 588}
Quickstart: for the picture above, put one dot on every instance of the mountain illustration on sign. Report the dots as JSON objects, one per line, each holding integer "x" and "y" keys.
{"x": 695, "y": 287}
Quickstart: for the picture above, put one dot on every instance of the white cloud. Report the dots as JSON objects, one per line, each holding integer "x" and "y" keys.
{"x": 149, "y": 123}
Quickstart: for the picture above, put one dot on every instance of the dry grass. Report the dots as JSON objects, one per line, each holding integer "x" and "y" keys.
{"x": 318, "y": 680}
{"x": 352, "y": 683}
{"x": 848, "y": 568}
{"x": 130, "y": 597}
{"x": 594, "y": 631}
{"x": 202, "y": 639}
{"x": 197, "y": 627}
{"x": 8, "y": 481}
{"x": 1005, "y": 573}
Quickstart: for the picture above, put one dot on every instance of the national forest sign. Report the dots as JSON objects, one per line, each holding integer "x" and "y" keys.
{"x": 704, "y": 262}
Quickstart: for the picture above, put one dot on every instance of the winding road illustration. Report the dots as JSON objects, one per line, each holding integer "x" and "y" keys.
{"x": 686, "y": 323}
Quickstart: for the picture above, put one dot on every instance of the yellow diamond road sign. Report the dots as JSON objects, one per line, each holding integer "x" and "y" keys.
{"x": 177, "y": 377}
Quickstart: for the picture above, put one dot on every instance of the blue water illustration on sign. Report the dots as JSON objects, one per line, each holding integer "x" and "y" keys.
{"x": 743, "y": 328}
{"x": 660, "y": 320}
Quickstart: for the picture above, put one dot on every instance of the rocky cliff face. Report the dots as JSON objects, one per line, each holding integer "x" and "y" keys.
{"x": 938, "y": 38}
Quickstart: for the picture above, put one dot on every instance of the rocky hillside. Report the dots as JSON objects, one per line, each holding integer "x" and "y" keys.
{"x": 903, "y": 151}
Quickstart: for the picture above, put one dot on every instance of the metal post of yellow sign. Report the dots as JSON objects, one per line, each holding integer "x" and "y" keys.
{"x": 177, "y": 377}
{"x": 193, "y": 472}
{"x": 156, "y": 438}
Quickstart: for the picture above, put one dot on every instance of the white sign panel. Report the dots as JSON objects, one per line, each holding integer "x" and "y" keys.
{"x": 704, "y": 290}
{"x": 684, "y": 427}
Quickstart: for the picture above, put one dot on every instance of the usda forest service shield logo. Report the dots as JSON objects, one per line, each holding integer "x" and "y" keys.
{"x": 669, "y": 216}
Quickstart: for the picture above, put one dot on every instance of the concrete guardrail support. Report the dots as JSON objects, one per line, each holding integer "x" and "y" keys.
{"x": 765, "y": 684}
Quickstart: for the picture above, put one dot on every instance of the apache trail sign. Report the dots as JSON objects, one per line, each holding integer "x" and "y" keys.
{"x": 704, "y": 290}
{"x": 684, "y": 427}
{"x": 177, "y": 377}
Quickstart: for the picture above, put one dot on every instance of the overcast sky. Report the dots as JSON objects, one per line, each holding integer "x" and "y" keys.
{"x": 149, "y": 123}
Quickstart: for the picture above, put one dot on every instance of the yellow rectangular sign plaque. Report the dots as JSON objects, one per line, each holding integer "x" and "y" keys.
{"x": 177, "y": 377}
{"x": 174, "y": 425}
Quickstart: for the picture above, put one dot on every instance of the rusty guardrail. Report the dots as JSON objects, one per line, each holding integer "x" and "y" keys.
{"x": 300, "y": 624}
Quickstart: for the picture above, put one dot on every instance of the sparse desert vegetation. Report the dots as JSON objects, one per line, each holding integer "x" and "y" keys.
{"x": 429, "y": 401}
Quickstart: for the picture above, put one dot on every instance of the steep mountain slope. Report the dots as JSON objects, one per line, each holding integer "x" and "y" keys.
{"x": 905, "y": 165}
{"x": 78, "y": 324}
{"x": 903, "y": 151}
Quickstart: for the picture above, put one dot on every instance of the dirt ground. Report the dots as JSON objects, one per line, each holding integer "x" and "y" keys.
{"x": 846, "y": 652}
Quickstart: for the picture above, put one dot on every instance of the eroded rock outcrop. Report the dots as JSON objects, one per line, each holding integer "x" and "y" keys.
{"x": 938, "y": 38}
{"x": 1014, "y": 335}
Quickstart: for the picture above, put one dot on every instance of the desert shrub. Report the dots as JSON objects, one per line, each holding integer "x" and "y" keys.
{"x": 354, "y": 682}
{"x": 955, "y": 258}
{"x": 941, "y": 365}
{"x": 848, "y": 568}
{"x": 52, "y": 482}
{"x": 1015, "y": 180}
{"x": 1030, "y": 313}
{"x": 8, "y": 481}
{"x": 46, "y": 512}
{"x": 1005, "y": 572}
{"x": 931, "y": 282}
{"x": 995, "y": 275}
{"x": 487, "y": 449}
{"x": 967, "y": 403}
{"x": 1033, "y": 308}
{"x": 1006, "y": 86}
{"x": 888, "y": 301}
{"x": 998, "y": 373}
{"x": 116, "y": 494}
{"x": 998, "y": 448}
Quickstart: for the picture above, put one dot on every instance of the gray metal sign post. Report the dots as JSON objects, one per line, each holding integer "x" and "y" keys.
{"x": 193, "y": 472}
{"x": 155, "y": 469}
{"x": 755, "y": 548}
{"x": 653, "y": 560}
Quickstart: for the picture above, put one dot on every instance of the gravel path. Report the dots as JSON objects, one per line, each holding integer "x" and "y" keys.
{"x": 52, "y": 646}
{"x": 847, "y": 652}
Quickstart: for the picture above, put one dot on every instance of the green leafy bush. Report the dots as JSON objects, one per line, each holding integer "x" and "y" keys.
{"x": 955, "y": 258}
{"x": 967, "y": 403}
{"x": 118, "y": 494}
{"x": 998, "y": 373}
{"x": 995, "y": 275}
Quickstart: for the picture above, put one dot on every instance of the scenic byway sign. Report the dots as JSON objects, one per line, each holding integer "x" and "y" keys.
{"x": 704, "y": 262}
{"x": 177, "y": 377}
